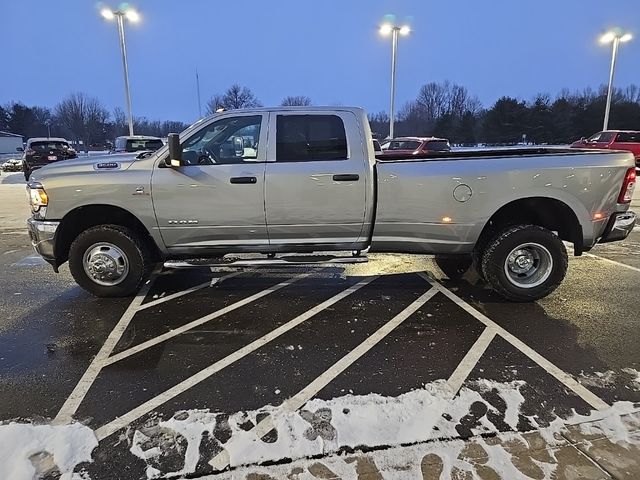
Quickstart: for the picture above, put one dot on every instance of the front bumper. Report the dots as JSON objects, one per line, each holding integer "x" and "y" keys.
{"x": 42, "y": 235}
{"x": 619, "y": 227}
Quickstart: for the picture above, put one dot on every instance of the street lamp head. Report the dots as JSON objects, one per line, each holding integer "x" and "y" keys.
{"x": 386, "y": 29}
{"x": 608, "y": 37}
{"x": 132, "y": 15}
{"x": 107, "y": 13}
{"x": 611, "y": 35}
{"x": 405, "y": 30}
{"x": 626, "y": 37}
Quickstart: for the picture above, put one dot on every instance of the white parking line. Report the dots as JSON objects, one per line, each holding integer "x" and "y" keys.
{"x": 619, "y": 264}
{"x": 74, "y": 400}
{"x": 195, "y": 323}
{"x": 148, "y": 406}
{"x": 562, "y": 376}
{"x": 221, "y": 461}
{"x": 470, "y": 360}
{"x": 208, "y": 283}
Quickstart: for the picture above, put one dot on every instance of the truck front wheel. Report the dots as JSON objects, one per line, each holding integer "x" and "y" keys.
{"x": 109, "y": 261}
{"x": 524, "y": 263}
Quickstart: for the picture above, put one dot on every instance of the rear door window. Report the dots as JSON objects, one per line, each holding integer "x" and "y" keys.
{"x": 306, "y": 138}
{"x": 437, "y": 146}
{"x": 628, "y": 137}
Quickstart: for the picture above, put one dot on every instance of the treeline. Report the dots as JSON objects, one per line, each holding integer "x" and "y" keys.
{"x": 449, "y": 110}
{"x": 84, "y": 119}
{"x": 79, "y": 118}
{"x": 441, "y": 109}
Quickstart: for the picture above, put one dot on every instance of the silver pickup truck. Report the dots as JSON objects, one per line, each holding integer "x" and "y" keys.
{"x": 280, "y": 180}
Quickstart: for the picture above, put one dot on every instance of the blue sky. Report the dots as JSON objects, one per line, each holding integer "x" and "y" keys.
{"x": 327, "y": 49}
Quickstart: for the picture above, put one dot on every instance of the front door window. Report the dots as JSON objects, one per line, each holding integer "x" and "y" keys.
{"x": 232, "y": 140}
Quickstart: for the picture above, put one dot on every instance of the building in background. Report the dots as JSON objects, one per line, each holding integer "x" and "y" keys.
{"x": 9, "y": 142}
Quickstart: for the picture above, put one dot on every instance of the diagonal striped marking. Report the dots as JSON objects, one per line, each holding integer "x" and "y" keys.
{"x": 195, "y": 323}
{"x": 208, "y": 283}
{"x": 560, "y": 375}
{"x": 74, "y": 400}
{"x": 221, "y": 461}
{"x": 121, "y": 422}
{"x": 468, "y": 363}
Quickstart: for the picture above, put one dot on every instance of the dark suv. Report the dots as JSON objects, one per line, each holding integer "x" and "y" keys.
{"x": 43, "y": 151}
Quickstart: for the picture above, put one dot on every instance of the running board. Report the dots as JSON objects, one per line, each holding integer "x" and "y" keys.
{"x": 292, "y": 260}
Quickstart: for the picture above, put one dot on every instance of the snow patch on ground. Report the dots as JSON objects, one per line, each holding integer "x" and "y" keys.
{"x": 635, "y": 376}
{"x": 323, "y": 427}
{"x": 627, "y": 376}
{"x": 27, "y": 451}
{"x": 511, "y": 455}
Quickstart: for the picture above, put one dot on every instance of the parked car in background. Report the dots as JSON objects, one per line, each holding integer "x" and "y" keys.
{"x": 43, "y": 151}
{"x": 415, "y": 145}
{"x": 137, "y": 142}
{"x": 628, "y": 140}
{"x": 13, "y": 165}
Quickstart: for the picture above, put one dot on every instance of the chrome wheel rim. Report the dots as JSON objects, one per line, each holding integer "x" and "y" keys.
{"x": 528, "y": 265}
{"x": 105, "y": 264}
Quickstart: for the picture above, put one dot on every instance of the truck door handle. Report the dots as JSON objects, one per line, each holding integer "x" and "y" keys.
{"x": 243, "y": 180}
{"x": 346, "y": 177}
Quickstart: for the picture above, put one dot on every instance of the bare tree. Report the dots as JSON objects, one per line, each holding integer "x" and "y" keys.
{"x": 433, "y": 100}
{"x": 120, "y": 123}
{"x": 296, "y": 101}
{"x": 83, "y": 116}
{"x": 214, "y": 104}
{"x": 235, "y": 97}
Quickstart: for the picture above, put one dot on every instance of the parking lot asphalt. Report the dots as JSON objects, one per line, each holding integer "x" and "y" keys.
{"x": 237, "y": 344}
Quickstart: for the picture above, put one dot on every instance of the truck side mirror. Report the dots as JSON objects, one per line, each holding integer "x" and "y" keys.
{"x": 175, "y": 151}
{"x": 19, "y": 149}
{"x": 238, "y": 146}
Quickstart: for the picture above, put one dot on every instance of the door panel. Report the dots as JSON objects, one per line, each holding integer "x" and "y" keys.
{"x": 316, "y": 201}
{"x": 217, "y": 201}
{"x": 201, "y": 206}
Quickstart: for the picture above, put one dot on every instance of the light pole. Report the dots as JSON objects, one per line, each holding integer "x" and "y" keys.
{"x": 393, "y": 30}
{"x": 119, "y": 15}
{"x": 617, "y": 37}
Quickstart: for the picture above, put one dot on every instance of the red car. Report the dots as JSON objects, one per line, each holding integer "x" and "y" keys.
{"x": 628, "y": 140}
{"x": 415, "y": 145}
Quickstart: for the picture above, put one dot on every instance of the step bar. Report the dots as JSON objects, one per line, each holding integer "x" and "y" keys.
{"x": 284, "y": 261}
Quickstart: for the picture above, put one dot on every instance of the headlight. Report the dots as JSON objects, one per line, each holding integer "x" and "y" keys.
{"x": 37, "y": 196}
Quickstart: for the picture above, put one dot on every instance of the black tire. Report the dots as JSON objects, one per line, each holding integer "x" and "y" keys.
{"x": 497, "y": 251}
{"x": 454, "y": 266}
{"x": 132, "y": 245}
